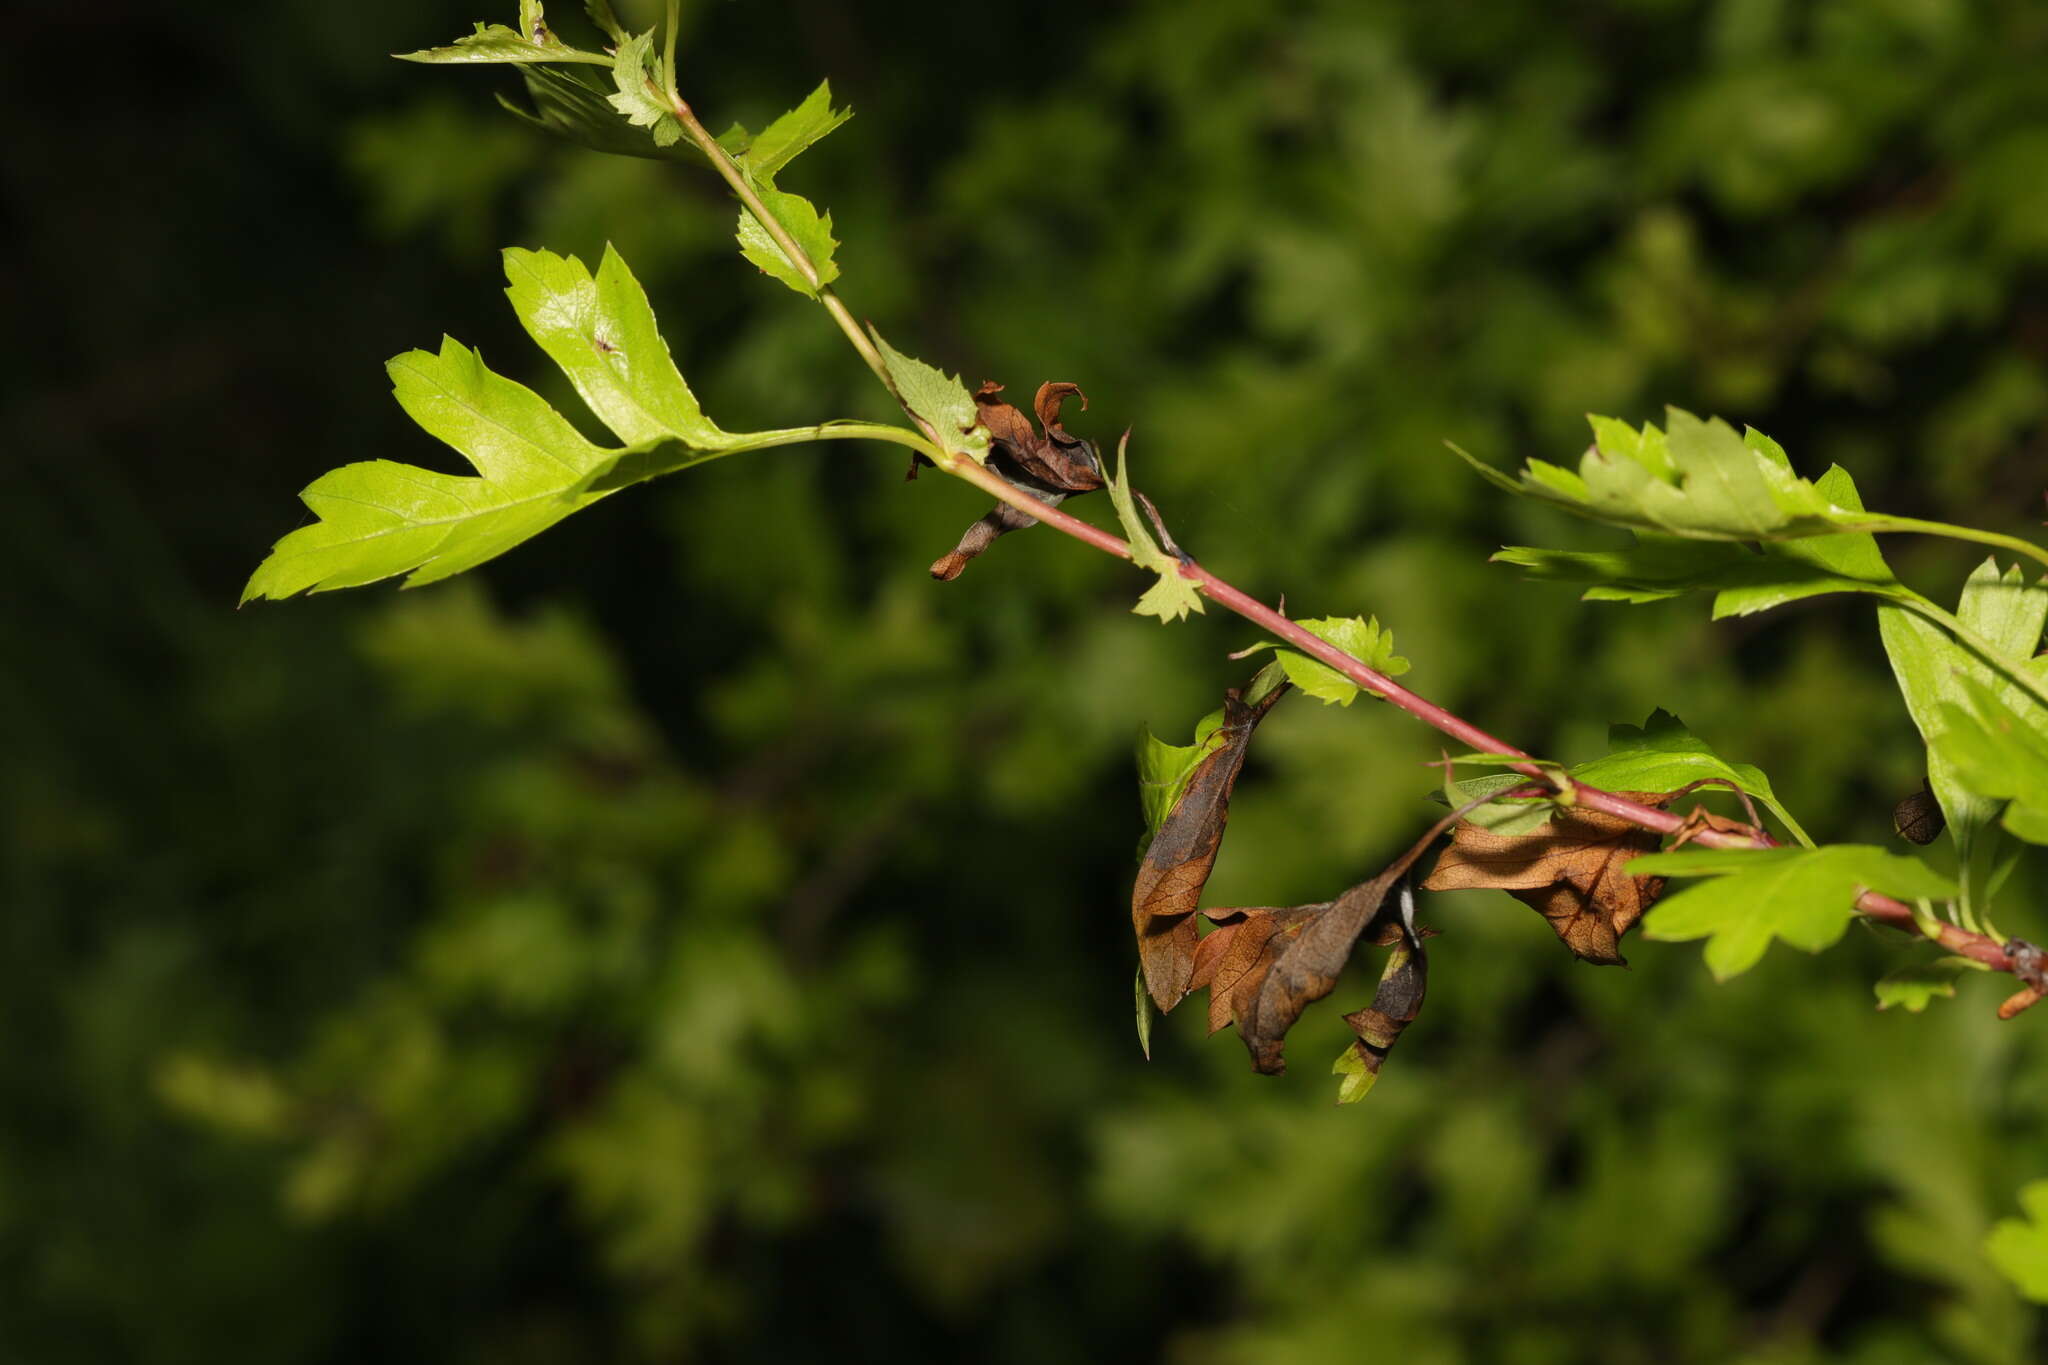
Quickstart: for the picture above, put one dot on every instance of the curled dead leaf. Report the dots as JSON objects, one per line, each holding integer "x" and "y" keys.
{"x": 1570, "y": 870}
{"x": 1051, "y": 463}
{"x": 1177, "y": 862}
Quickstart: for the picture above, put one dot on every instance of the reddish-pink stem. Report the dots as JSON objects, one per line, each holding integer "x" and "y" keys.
{"x": 1881, "y": 908}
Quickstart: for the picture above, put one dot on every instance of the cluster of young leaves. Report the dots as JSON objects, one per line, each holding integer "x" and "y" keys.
{"x": 381, "y": 518}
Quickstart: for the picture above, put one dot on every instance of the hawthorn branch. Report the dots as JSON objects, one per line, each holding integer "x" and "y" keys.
{"x": 1879, "y": 908}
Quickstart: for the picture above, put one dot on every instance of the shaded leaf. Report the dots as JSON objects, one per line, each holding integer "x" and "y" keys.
{"x": 2019, "y": 1246}
{"x": 1176, "y": 863}
{"x": 1914, "y": 987}
{"x": 1172, "y": 597}
{"x": 1804, "y": 896}
{"x": 810, "y": 230}
{"x": 1663, "y": 756}
{"x": 569, "y": 104}
{"x": 1569, "y": 869}
{"x": 1997, "y": 753}
{"x": 1146, "y": 1013}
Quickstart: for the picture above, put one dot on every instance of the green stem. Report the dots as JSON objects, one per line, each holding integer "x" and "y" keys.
{"x": 1885, "y": 522}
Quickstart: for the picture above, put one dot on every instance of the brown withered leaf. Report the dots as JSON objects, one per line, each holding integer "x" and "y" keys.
{"x": 1569, "y": 870}
{"x": 1394, "y": 1007}
{"x": 1052, "y": 465}
{"x": 1307, "y": 969}
{"x": 1232, "y": 959}
{"x": 1177, "y": 862}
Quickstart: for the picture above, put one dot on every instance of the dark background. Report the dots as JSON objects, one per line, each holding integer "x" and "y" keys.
{"x": 697, "y": 935}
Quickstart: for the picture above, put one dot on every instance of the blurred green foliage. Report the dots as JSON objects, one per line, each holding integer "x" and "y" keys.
{"x": 701, "y": 935}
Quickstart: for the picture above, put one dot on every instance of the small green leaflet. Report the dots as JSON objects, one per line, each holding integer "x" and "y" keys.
{"x": 1699, "y": 480}
{"x": 1365, "y": 640}
{"x": 810, "y": 230}
{"x": 497, "y": 44}
{"x": 2019, "y": 1246}
{"x": 1663, "y": 756}
{"x": 782, "y": 141}
{"x": 1164, "y": 769}
{"x": 1172, "y": 597}
{"x": 937, "y": 398}
{"x": 633, "y": 69}
{"x": 1805, "y": 896}
{"x": 1147, "y": 1012}
{"x": 1997, "y": 753}
{"x": 382, "y": 518}
{"x": 1914, "y": 987}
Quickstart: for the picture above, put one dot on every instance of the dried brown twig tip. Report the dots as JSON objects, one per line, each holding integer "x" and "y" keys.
{"x": 2019, "y": 1002}
{"x": 1052, "y": 465}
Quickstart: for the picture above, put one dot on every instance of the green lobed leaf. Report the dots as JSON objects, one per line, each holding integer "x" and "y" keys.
{"x": 601, "y": 331}
{"x": 939, "y": 399}
{"x": 1934, "y": 673}
{"x": 782, "y": 141}
{"x": 633, "y": 69}
{"x": 1998, "y": 754}
{"x": 600, "y": 12}
{"x": 1663, "y": 756}
{"x": 382, "y": 518}
{"x": 1364, "y": 639}
{"x": 1745, "y": 579}
{"x": 1803, "y": 896}
{"x": 1696, "y": 479}
{"x": 2019, "y": 1246}
{"x": 497, "y": 44}
{"x": 1915, "y": 986}
{"x": 1506, "y": 818}
{"x": 810, "y": 230}
{"x": 1172, "y": 597}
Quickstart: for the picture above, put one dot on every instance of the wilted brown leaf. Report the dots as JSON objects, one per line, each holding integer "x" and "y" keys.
{"x": 1394, "y": 1007}
{"x": 1307, "y": 969}
{"x": 1053, "y": 465}
{"x": 1232, "y": 959}
{"x": 1176, "y": 864}
{"x": 1568, "y": 869}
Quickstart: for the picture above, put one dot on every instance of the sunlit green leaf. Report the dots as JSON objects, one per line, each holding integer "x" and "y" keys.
{"x": 1164, "y": 769}
{"x": 810, "y": 230}
{"x": 783, "y": 140}
{"x": 381, "y": 518}
{"x": 939, "y": 398}
{"x": 1363, "y": 639}
{"x": 1803, "y": 896}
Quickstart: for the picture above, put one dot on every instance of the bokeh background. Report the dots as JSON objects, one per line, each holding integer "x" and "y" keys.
{"x": 698, "y": 935}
